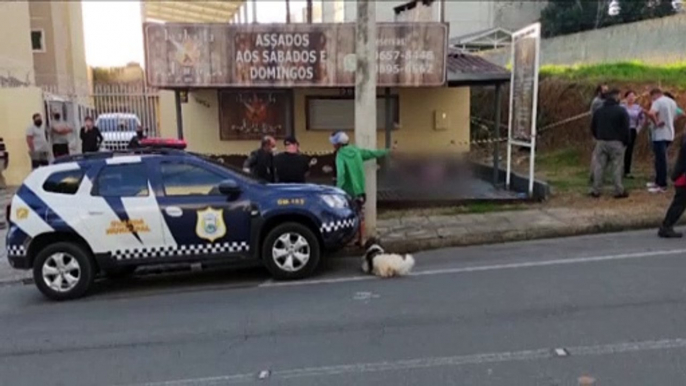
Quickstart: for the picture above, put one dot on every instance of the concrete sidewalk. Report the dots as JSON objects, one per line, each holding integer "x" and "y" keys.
{"x": 415, "y": 233}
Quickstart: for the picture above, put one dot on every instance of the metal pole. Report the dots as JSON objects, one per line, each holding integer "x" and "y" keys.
{"x": 309, "y": 11}
{"x": 510, "y": 118}
{"x": 496, "y": 136}
{"x": 442, "y": 11}
{"x": 390, "y": 114}
{"x": 179, "y": 117}
{"x": 288, "y": 11}
{"x": 254, "y": 11}
{"x": 245, "y": 13}
{"x": 365, "y": 101}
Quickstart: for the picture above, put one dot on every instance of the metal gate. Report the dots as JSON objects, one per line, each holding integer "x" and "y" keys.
{"x": 118, "y": 110}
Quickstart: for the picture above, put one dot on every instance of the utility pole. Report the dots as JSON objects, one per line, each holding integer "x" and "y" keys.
{"x": 365, "y": 101}
{"x": 309, "y": 11}
{"x": 288, "y": 11}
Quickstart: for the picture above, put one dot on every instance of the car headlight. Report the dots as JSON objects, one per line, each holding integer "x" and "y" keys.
{"x": 335, "y": 201}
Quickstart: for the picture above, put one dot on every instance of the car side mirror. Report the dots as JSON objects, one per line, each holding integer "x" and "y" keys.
{"x": 229, "y": 188}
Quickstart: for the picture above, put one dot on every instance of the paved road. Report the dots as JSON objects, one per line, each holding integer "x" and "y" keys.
{"x": 535, "y": 313}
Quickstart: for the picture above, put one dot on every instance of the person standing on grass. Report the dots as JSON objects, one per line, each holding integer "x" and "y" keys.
{"x": 90, "y": 137}
{"x": 662, "y": 114}
{"x": 599, "y": 98}
{"x": 350, "y": 170}
{"x": 679, "y": 111}
{"x": 610, "y": 128}
{"x": 636, "y": 116}
{"x": 597, "y": 103}
{"x": 678, "y": 205}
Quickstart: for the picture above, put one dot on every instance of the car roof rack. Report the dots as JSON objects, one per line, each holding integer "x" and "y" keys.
{"x": 143, "y": 150}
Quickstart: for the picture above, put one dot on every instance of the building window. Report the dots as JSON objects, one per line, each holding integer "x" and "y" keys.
{"x": 332, "y": 113}
{"x": 38, "y": 40}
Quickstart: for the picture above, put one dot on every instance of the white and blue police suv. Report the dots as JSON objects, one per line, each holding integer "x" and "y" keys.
{"x": 108, "y": 213}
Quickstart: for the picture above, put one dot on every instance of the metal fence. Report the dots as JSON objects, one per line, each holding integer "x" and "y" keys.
{"x": 118, "y": 109}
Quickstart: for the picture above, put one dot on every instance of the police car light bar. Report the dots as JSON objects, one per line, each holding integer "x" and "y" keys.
{"x": 168, "y": 143}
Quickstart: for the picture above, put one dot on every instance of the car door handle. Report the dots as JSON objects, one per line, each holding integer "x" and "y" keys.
{"x": 94, "y": 212}
{"x": 173, "y": 211}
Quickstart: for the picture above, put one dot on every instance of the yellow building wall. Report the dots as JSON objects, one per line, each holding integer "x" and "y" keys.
{"x": 62, "y": 67}
{"x": 16, "y": 55}
{"x": 17, "y": 105}
{"x": 77, "y": 47}
{"x": 416, "y": 132}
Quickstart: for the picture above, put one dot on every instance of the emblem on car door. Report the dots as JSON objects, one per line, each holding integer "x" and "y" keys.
{"x": 210, "y": 224}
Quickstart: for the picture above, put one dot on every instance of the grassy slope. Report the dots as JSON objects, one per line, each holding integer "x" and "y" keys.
{"x": 673, "y": 75}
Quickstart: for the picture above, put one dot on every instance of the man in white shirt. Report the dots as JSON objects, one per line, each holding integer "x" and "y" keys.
{"x": 37, "y": 142}
{"x": 662, "y": 113}
{"x": 60, "y": 133}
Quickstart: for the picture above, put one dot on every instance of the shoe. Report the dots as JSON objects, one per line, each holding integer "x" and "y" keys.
{"x": 657, "y": 190}
{"x": 594, "y": 195}
{"x": 669, "y": 233}
{"x": 621, "y": 195}
{"x": 651, "y": 185}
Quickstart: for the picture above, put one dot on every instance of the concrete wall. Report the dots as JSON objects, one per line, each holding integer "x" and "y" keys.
{"x": 464, "y": 17}
{"x": 17, "y": 105}
{"x": 416, "y": 134}
{"x": 657, "y": 41}
{"x": 16, "y": 55}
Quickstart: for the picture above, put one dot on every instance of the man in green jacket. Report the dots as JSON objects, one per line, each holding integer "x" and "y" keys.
{"x": 350, "y": 170}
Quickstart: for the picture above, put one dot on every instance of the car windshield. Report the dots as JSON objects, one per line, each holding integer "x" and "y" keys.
{"x": 110, "y": 125}
{"x": 239, "y": 172}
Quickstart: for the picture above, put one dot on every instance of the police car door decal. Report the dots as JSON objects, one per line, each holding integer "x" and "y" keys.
{"x": 210, "y": 225}
{"x": 122, "y": 224}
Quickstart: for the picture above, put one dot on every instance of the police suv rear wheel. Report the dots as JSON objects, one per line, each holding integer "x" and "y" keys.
{"x": 63, "y": 271}
{"x": 291, "y": 251}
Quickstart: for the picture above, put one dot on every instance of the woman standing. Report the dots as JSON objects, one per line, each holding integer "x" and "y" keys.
{"x": 635, "y": 121}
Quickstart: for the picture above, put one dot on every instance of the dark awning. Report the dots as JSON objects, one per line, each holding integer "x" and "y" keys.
{"x": 465, "y": 70}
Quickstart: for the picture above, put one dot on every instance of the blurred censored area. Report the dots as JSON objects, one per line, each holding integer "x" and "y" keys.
{"x": 408, "y": 177}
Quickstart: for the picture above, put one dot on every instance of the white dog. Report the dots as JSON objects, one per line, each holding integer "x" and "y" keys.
{"x": 377, "y": 262}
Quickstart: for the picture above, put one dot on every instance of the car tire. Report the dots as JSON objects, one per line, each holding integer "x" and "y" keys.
{"x": 74, "y": 266}
{"x": 119, "y": 272}
{"x": 301, "y": 241}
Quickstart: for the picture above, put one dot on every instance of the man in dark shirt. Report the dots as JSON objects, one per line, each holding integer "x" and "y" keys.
{"x": 135, "y": 142}
{"x": 90, "y": 137}
{"x": 291, "y": 166}
{"x": 610, "y": 128}
{"x": 260, "y": 163}
{"x": 678, "y": 205}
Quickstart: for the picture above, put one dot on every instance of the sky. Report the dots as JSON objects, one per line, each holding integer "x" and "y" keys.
{"x": 114, "y": 35}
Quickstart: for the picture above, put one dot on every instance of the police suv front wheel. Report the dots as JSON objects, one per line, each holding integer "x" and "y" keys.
{"x": 63, "y": 271}
{"x": 291, "y": 251}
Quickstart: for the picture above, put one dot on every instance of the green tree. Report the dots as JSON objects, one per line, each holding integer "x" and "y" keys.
{"x": 561, "y": 17}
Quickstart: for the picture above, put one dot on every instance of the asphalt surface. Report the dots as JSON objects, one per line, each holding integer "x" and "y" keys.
{"x": 535, "y": 313}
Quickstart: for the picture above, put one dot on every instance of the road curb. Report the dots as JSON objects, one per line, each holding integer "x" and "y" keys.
{"x": 498, "y": 237}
